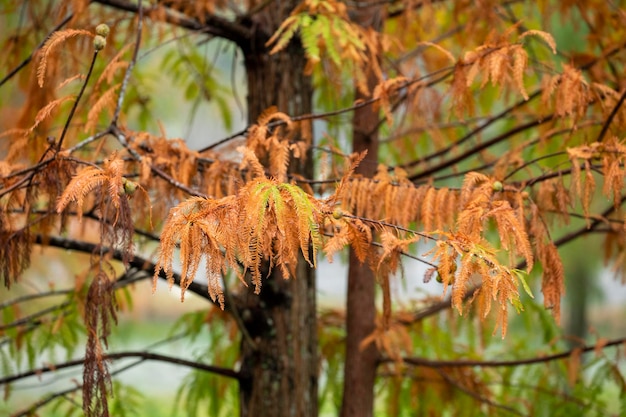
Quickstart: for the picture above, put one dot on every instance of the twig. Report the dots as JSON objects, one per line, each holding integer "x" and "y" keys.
{"x": 121, "y": 137}
{"x": 75, "y": 105}
{"x": 606, "y": 125}
{"x": 544, "y": 177}
{"x": 131, "y": 65}
{"x": 504, "y": 113}
{"x": 51, "y": 397}
{"x": 446, "y": 304}
{"x": 407, "y": 255}
{"x": 476, "y": 395}
{"x": 43, "y": 401}
{"x": 389, "y": 225}
{"x": 213, "y": 24}
{"x": 30, "y": 57}
{"x": 29, "y": 318}
{"x": 515, "y": 106}
{"x": 479, "y": 147}
{"x": 30, "y": 297}
{"x": 550, "y": 136}
{"x": 438, "y": 126}
{"x": 87, "y": 141}
{"x": 461, "y": 363}
{"x": 137, "y": 261}
{"x": 323, "y": 115}
{"x": 226, "y": 372}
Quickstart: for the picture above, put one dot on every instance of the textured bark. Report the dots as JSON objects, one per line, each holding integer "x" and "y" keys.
{"x": 280, "y": 371}
{"x": 279, "y": 377}
{"x": 360, "y": 364}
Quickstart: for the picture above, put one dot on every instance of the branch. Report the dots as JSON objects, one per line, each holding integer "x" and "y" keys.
{"x": 213, "y": 25}
{"x": 30, "y": 171}
{"x": 131, "y": 65}
{"x": 606, "y": 125}
{"x": 479, "y": 147}
{"x": 121, "y": 137}
{"x": 431, "y": 363}
{"x": 89, "y": 215}
{"x": 75, "y": 105}
{"x": 310, "y": 116}
{"x": 503, "y": 114}
{"x": 432, "y": 126}
{"x": 357, "y": 105}
{"x": 137, "y": 262}
{"x": 446, "y": 304}
{"x": 29, "y": 297}
{"x": 517, "y": 105}
{"x": 30, "y": 57}
{"x": 26, "y": 319}
{"x": 32, "y": 322}
{"x": 45, "y": 400}
{"x": 87, "y": 141}
{"x": 225, "y": 372}
{"x": 476, "y": 395}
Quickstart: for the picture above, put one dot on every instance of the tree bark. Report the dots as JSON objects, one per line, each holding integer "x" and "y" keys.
{"x": 279, "y": 373}
{"x": 360, "y": 364}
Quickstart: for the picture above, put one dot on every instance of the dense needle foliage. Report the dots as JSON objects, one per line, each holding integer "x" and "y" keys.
{"x": 475, "y": 139}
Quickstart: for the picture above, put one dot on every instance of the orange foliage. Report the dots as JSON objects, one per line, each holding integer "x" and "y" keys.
{"x": 482, "y": 192}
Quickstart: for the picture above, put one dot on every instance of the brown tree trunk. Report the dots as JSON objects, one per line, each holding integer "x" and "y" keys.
{"x": 360, "y": 364}
{"x": 280, "y": 370}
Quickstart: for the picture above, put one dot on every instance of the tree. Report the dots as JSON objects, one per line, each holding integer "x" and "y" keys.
{"x": 477, "y": 143}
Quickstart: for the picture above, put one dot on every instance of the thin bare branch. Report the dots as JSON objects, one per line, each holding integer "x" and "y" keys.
{"x": 121, "y": 137}
{"x": 476, "y": 395}
{"x": 137, "y": 262}
{"x": 30, "y": 57}
{"x": 462, "y": 363}
{"x": 34, "y": 317}
{"x": 131, "y": 65}
{"x": 479, "y": 147}
{"x": 75, "y": 105}
{"x": 214, "y": 25}
{"x": 228, "y": 373}
{"x": 609, "y": 120}
{"x": 47, "y": 399}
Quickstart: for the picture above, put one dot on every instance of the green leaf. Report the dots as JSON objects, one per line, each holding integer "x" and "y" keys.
{"x": 309, "y": 35}
{"x": 521, "y": 277}
{"x": 305, "y": 211}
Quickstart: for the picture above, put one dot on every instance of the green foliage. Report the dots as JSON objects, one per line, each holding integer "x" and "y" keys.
{"x": 514, "y": 143}
{"x": 332, "y": 351}
{"x": 202, "y": 393}
{"x": 59, "y": 330}
{"x": 541, "y": 389}
{"x": 324, "y": 31}
{"x": 64, "y": 406}
{"x": 189, "y": 68}
{"x": 126, "y": 401}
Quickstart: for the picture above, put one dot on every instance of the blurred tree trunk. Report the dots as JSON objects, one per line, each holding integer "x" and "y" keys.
{"x": 280, "y": 371}
{"x": 360, "y": 365}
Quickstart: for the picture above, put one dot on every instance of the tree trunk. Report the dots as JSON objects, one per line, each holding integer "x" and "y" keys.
{"x": 360, "y": 364}
{"x": 280, "y": 371}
